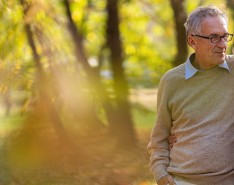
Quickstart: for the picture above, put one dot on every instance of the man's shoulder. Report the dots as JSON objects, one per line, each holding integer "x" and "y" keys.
{"x": 230, "y": 62}
{"x": 230, "y": 58}
{"x": 177, "y": 71}
{"x": 172, "y": 78}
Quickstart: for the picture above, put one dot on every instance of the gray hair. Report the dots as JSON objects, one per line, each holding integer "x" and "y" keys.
{"x": 193, "y": 22}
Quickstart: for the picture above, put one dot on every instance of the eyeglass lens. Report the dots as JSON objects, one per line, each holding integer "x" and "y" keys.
{"x": 217, "y": 38}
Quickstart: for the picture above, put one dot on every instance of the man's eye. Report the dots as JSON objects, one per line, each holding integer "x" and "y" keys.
{"x": 215, "y": 36}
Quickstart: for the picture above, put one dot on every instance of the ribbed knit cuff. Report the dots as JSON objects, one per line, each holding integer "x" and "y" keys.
{"x": 160, "y": 178}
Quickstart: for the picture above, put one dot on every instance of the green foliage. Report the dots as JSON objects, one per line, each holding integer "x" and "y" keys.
{"x": 14, "y": 63}
{"x": 143, "y": 33}
{"x": 90, "y": 17}
{"x": 146, "y": 29}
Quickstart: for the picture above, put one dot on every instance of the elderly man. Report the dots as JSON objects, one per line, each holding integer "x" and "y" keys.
{"x": 196, "y": 104}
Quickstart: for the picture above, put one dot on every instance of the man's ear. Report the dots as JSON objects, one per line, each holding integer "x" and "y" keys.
{"x": 191, "y": 41}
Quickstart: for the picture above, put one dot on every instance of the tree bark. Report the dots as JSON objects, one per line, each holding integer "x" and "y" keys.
{"x": 180, "y": 16}
{"x": 124, "y": 128}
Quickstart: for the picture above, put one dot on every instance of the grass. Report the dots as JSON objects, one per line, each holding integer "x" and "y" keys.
{"x": 143, "y": 118}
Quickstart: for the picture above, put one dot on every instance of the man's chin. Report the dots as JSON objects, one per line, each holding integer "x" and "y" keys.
{"x": 221, "y": 57}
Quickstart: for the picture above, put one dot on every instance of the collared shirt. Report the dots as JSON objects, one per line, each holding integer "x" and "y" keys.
{"x": 190, "y": 71}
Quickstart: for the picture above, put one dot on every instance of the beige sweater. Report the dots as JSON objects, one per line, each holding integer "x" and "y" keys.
{"x": 200, "y": 112}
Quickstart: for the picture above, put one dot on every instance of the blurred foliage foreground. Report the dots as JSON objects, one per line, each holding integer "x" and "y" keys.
{"x": 36, "y": 151}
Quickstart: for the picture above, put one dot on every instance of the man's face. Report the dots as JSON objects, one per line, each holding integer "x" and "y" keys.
{"x": 207, "y": 53}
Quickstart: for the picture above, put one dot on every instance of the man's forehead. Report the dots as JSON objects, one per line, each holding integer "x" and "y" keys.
{"x": 214, "y": 25}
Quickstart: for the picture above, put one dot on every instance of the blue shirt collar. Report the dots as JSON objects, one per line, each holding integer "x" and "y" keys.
{"x": 190, "y": 71}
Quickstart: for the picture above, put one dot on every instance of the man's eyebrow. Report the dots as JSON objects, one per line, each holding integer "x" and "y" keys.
{"x": 215, "y": 34}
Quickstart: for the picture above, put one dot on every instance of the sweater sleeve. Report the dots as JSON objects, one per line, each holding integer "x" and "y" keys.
{"x": 158, "y": 145}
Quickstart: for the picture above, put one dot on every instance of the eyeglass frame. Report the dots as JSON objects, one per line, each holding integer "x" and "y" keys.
{"x": 215, "y": 35}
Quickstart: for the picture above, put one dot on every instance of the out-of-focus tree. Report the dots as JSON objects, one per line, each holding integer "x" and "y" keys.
{"x": 230, "y": 5}
{"x": 180, "y": 16}
{"x": 124, "y": 128}
{"x": 117, "y": 112}
{"x": 44, "y": 99}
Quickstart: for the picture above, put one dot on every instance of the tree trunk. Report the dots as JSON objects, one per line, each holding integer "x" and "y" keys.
{"x": 91, "y": 74}
{"x": 119, "y": 118}
{"x": 180, "y": 16}
{"x": 124, "y": 127}
{"x": 44, "y": 99}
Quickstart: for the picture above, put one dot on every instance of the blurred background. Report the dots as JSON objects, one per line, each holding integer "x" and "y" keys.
{"x": 78, "y": 86}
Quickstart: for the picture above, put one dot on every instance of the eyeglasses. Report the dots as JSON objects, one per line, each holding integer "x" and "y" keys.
{"x": 214, "y": 38}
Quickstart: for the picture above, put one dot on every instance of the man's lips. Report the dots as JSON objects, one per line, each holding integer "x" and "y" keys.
{"x": 220, "y": 52}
